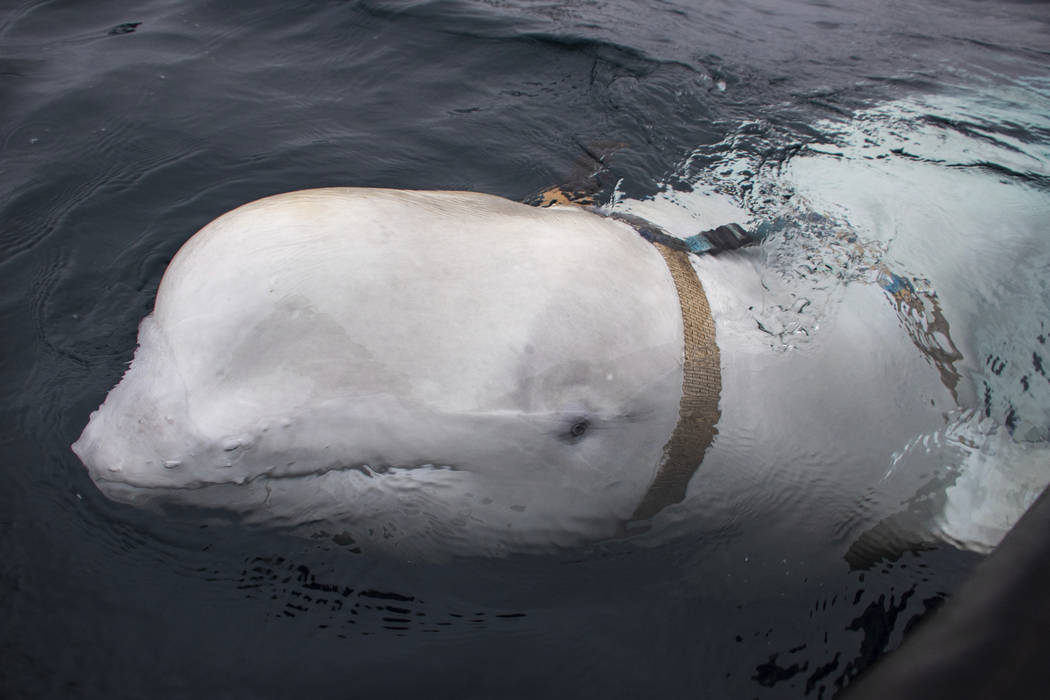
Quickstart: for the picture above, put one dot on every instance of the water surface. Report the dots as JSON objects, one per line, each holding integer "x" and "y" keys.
{"x": 920, "y": 127}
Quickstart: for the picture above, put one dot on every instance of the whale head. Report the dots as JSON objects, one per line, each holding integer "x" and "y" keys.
{"x": 453, "y": 367}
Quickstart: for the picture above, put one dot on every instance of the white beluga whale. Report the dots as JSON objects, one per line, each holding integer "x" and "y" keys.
{"x": 452, "y": 372}
{"x": 454, "y": 368}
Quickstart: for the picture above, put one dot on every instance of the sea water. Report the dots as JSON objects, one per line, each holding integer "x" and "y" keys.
{"x": 860, "y": 137}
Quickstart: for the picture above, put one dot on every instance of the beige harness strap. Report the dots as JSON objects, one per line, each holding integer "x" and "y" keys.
{"x": 698, "y": 412}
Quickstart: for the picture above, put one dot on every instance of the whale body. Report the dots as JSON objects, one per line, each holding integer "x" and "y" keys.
{"x": 452, "y": 372}
{"x": 446, "y": 366}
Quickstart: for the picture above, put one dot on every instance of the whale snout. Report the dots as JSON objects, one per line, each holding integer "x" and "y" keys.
{"x": 115, "y": 448}
{"x": 140, "y": 436}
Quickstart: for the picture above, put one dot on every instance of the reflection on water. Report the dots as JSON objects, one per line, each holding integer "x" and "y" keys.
{"x": 896, "y": 161}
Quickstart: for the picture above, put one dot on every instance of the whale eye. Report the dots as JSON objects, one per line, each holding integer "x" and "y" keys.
{"x": 576, "y": 429}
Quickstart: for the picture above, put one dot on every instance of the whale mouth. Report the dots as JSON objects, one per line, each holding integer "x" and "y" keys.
{"x": 108, "y": 485}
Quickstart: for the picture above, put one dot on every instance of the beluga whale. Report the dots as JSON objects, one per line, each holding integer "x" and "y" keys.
{"x": 436, "y": 372}
{"x": 448, "y": 368}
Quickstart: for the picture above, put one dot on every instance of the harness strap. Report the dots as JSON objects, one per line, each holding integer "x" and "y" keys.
{"x": 698, "y": 412}
{"x": 711, "y": 242}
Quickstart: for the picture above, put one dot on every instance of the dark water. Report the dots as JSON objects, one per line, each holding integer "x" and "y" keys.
{"x": 126, "y": 128}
